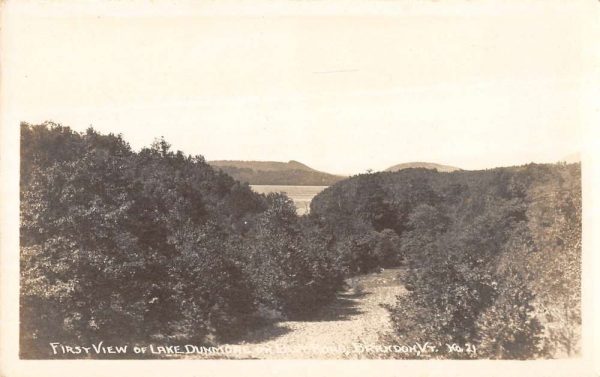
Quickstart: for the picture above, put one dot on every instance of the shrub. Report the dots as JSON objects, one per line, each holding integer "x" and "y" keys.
{"x": 493, "y": 256}
{"x": 152, "y": 245}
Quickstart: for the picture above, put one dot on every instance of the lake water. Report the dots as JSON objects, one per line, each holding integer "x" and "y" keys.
{"x": 301, "y": 195}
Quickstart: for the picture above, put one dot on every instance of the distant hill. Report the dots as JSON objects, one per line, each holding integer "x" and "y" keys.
{"x": 426, "y": 165}
{"x": 275, "y": 173}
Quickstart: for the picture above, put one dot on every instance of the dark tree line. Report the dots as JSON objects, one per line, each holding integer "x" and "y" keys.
{"x": 156, "y": 245}
{"x": 294, "y": 177}
{"x": 493, "y": 257}
{"x": 153, "y": 245}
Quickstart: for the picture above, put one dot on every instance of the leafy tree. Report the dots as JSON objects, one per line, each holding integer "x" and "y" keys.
{"x": 153, "y": 245}
{"x": 492, "y": 256}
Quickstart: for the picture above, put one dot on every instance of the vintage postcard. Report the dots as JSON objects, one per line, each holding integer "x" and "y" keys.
{"x": 298, "y": 187}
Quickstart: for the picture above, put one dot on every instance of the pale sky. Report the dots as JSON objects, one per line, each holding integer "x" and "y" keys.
{"x": 342, "y": 89}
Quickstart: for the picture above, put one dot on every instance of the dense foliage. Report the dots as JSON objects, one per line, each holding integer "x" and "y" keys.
{"x": 153, "y": 245}
{"x": 158, "y": 246}
{"x": 291, "y": 175}
{"x": 493, "y": 257}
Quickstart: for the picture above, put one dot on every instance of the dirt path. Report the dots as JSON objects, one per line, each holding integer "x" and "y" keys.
{"x": 355, "y": 317}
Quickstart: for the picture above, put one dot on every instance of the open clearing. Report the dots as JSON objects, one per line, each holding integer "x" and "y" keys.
{"x": 356, "y": 316}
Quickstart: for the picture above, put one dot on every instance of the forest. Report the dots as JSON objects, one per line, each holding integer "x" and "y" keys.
{"x": 292, "y": 173}
{"x": 493, "y": 256}
{"x": 156, "y": 245}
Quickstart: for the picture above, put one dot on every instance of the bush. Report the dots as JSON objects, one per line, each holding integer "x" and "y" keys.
{"x": 152, "y": 246}
{"x": 493, "y": 256}
{"x": 289, "y": 264}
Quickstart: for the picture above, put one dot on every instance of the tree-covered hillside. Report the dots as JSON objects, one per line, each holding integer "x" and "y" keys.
{"x": 157, "y": 246}
{"x": 493, "y": 257}
{"x": 425, "y": 165}
{"x": 153, "y": 246}
{"x": 291, "y": 173}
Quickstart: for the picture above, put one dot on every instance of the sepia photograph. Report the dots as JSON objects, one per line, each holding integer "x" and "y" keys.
{"x": 385, "y": 187}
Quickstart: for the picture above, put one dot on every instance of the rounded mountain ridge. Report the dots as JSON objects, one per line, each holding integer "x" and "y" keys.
{"x": 425, "y": 165}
